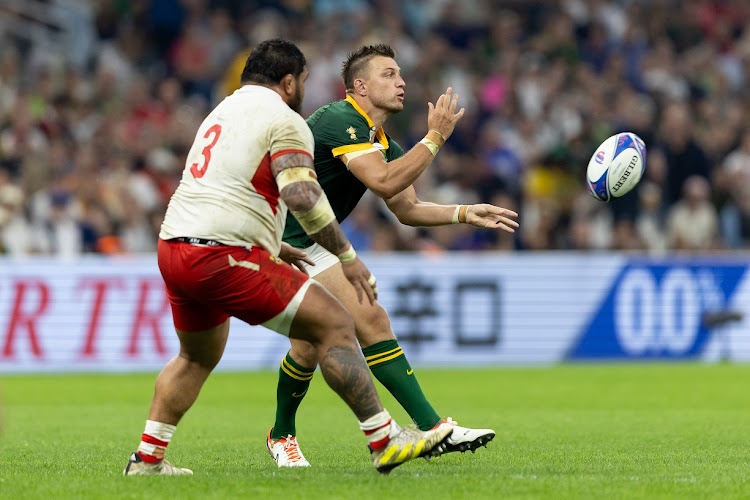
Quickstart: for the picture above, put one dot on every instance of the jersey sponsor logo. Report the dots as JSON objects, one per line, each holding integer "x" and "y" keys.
{"x": 352, "y": 132}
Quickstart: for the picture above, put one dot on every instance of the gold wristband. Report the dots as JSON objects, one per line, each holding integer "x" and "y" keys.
{"x": 434, "y": 148}
{"x": 348, "y": 255}
{"x": 464, "y": 210}
{"x": 435, "y": 137}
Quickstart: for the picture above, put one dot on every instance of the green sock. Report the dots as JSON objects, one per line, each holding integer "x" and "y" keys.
{"x": 389, "y": 365}
{"x": 293, "y": 383}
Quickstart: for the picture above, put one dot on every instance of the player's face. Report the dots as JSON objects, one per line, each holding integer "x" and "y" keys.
{"x": 385, "y": 87}
{"x": 295, "y": 101}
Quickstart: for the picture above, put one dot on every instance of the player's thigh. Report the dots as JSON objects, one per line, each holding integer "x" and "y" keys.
{"x": 321, "y": 318}
{"x": 204, "y": 347}
{"x": 370, "y": 320}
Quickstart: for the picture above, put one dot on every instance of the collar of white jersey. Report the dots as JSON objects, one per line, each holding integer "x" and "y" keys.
{"x": 380, "y": 134}
{"x": 251, "y": 87}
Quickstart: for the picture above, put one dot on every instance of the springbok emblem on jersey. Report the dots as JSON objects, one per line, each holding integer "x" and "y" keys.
{"x": 352, "y": 133}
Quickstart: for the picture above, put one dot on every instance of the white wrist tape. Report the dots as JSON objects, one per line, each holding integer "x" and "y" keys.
{"x": 455, "y": 215}
{"x": 348, "y": 255}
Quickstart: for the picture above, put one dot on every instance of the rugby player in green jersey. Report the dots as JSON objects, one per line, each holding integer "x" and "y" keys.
{"x": 352, "y": 154}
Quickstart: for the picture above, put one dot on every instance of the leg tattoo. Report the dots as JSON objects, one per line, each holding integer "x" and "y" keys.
{"x": 346, "y": 372}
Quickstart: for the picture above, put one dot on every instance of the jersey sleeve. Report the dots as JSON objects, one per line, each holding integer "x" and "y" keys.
{"x": 343, "y": 133}
{"x": 395, "y": 151}
{"x": 290, "y": 134}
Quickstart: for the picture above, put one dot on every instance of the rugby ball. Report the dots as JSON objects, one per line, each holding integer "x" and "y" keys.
{"x": 616, "y": 166}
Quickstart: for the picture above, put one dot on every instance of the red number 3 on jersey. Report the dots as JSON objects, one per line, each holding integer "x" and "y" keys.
{"x": 200, "y": 171}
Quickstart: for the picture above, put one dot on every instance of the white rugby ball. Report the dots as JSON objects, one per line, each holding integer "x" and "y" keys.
{"x": 616, "y": 166}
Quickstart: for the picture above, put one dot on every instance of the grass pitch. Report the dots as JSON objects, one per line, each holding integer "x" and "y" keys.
{"x": 575, "y": 431}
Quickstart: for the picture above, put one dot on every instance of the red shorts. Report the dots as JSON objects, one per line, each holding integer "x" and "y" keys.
{"x": 206, "y": 284}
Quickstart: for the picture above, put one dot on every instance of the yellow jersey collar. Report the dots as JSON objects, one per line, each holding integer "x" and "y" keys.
{"x": 380, "y": 134}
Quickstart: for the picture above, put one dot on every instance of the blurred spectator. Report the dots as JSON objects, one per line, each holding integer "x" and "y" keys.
{"x": 692, "y": 223}
{"x": 59, "y": 233}
{"x": 649, "y": 223}
{"x": 685, "y": 158}
{"x": 15, "y": 231}
{"x": 733, "y": 178}
{"x": 735, "y": 219}
{"x": 10, "y": 77}
{"x": 191, "y": 59}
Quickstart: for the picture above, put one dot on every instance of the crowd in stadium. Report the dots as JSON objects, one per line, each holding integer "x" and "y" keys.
{"x": 99, "y": 102}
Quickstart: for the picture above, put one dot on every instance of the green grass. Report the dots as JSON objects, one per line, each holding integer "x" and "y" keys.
{"x": 616, "y": 431}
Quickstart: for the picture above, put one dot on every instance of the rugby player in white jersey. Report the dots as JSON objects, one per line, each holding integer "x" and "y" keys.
{"x": 218, "y": 254}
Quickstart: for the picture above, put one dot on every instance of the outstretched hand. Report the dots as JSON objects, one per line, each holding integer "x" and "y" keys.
{"x": 490, "y": 216}
{"x": 295, "y": 257}
{"x": 442, "y": 116}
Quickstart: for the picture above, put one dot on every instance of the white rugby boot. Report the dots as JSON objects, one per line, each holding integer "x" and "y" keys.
{"x": 286, "y": 452}
{"x": 137, "y": 467}
{"x": 464, "y": 438}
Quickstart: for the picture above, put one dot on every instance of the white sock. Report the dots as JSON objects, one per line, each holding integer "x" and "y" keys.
{"x": 154, "y": 440}
{"x": 378, "y": 429}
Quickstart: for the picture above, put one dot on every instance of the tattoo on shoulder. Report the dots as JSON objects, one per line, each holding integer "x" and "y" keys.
{"x": 290, "y": 160}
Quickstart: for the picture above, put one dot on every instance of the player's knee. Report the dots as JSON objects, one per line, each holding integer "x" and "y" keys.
{"x": 378, "y": 319}
{"x": 201, "y": 360}
{"x": 304, "y": 353}
{"x": 374, "y": 325}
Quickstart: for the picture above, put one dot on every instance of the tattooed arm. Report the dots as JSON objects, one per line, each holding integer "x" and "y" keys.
{"x": 299, "y": 188}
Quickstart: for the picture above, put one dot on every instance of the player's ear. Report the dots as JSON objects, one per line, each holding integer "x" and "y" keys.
{"x": 287, "y": 83}
{"x": 360, "y": 87}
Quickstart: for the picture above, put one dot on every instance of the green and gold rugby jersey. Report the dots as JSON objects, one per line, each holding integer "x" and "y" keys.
{"x": 340, "y": 128}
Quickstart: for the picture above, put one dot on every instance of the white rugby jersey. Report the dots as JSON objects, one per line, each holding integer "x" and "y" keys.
{"x": 227, "y": 192}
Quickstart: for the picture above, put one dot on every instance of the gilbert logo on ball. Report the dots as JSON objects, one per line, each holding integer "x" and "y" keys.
{"x": 616, "y": 167}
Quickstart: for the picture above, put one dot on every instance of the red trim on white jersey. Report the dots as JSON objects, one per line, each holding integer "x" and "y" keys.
{"x": 265, "y": 184}
{"x": 290, "y": 151}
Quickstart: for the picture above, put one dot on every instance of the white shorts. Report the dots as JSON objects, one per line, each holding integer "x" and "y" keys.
{"x": 323, "y": 259}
